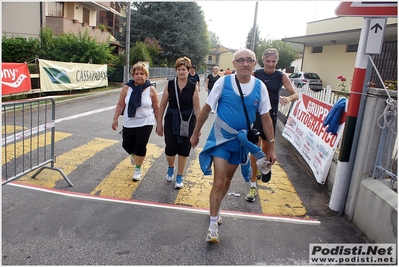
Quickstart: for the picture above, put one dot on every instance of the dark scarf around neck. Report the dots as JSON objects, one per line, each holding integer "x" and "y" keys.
{"x": 135, "y": 96}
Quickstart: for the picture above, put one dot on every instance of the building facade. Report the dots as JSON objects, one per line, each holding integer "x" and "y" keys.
{"x": 330, "y": 49}
{"x": 101, "y": 19}
{"x": 219, "y": 56}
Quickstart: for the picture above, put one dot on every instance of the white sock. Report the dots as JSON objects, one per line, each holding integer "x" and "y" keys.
{"x": 213, "y": 219}
{"x": 253, "y": 184}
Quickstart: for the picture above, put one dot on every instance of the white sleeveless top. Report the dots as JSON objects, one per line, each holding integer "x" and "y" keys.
{"x": 144, "y": 114}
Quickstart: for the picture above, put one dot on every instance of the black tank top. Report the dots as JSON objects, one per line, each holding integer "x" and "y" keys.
{"x": 273, "y": 82}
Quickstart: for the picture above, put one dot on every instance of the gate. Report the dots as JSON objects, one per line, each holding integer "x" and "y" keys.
{"x": 28, "y": 135}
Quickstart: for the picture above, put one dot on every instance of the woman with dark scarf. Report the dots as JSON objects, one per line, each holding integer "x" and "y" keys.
{"x": 138, "y": 103}
{"x": 188, "y": 96}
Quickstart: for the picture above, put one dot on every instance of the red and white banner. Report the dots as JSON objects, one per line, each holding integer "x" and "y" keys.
{"x": 15, "y": 78}
{"x": 305, "y": 130}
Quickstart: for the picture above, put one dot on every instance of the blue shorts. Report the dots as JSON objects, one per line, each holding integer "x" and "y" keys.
{"x": 229, "y": 151}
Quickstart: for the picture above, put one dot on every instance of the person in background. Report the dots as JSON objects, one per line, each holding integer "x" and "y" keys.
{"x": 223, "y": 148}
{"x": 274, "y": 80}
{"x": 211, "y": 79}
{"x": 194, "y": 77}
{"x": 138, "y": 102}
{"x": 228, "y": 71}
{"x": 189, "y": 106}
{"x": 221, "y": 73}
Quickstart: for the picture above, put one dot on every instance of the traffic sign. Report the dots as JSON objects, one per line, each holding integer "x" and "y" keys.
{"x": 375, "y": 36}
{"x": 367, "y": 9}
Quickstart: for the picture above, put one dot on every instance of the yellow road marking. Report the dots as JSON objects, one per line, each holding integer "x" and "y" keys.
{"x": 24, "y": 147}
{"x": 279, "y": 196}
{"x": 196, "y": 186}
{"x": 7, "y": 129}
{"x": 68, "y": 162}
{"x": 119, "y": 183}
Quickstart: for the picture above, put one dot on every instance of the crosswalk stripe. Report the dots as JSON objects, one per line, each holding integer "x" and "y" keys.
{"x": 278, "y": 196}
{"x": 24, "y": 147}
{"x": 68, "y": 162}
{"x": 196, "y": 186}
{"x": 119, "y": 182}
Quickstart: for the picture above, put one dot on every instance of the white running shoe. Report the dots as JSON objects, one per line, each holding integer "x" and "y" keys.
{"x": 136, "y": 174}
{"x": 169, "y": 175}
{"x": 213, "y": 233}
{"x": 264, "y": 165}
{"x": 219, "y": 218}
{"x": 179, "y": 182}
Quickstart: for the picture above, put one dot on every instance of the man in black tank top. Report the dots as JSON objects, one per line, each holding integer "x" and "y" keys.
{"x": 274, "y": 80}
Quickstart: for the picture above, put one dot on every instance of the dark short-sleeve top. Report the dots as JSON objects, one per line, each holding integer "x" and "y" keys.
{"x": 194, "y": 78}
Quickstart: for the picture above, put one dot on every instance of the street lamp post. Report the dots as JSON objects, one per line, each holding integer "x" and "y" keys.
{"x": 254, "y": 28}
{"x": 128, "y": 41}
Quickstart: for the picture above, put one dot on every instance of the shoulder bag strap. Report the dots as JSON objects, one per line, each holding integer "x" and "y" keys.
{"x": 242, "y": 98}
{"x": 178, "y": 103}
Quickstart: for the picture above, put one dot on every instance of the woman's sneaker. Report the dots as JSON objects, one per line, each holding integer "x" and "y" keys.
{"x": 136, "y": 174}
{"x": 169, "y": 175}
{"x": 179, "y": 182}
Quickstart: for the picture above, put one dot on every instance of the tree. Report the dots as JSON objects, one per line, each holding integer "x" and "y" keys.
{"x": 179, "y": 27}
{"x": 287, "y": 54}
{"x": 249, "y": 38}
{"x": 214, "y": 39}
{"x": 138, "y": 53}
{"x": 154, "y": 49}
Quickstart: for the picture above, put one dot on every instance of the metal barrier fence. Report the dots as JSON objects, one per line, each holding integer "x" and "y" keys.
{"x": 158, "y": 72}
{"x": 386, "y": 161}
{"x": 28, "y": 134}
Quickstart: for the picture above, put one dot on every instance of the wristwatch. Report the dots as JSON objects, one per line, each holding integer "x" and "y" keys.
{"x": 271, "y": 140}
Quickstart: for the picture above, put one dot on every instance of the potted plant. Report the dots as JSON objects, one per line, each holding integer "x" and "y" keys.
{"x": 102, "y": 27}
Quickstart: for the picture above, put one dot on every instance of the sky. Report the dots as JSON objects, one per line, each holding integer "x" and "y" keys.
{"x": 232, "y": 20}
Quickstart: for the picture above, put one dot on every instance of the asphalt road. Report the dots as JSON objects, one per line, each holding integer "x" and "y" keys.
{"x": 106, "y": 219}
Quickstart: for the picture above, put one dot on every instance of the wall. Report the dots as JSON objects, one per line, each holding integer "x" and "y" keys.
{"x": 376, "y": 213}
{"x": 371, "y": 204}
{"x": 226, "y": 60}
{"x": 21, "y": 19}
{"x": 318, "y": 62}
{"x": 368, "y": 143}
{"x": 338, "y": 24}
{"x": 334, "y": 25}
